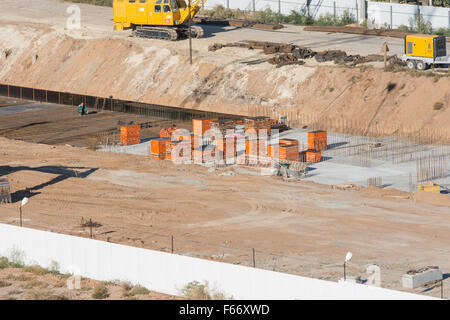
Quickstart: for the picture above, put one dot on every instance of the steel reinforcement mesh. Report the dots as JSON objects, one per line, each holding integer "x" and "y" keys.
{"x": 110, "y": 104}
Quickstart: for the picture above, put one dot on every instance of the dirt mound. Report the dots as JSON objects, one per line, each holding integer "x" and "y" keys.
{"x": 228, "y": 81}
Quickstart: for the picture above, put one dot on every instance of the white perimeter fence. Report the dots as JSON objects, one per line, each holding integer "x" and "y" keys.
{"x": 168, "y": 273}
{"x": 384, "y": 14}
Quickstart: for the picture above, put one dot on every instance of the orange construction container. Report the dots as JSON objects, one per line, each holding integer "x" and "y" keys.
{"x": 289, "y": 142}
{"x": 317, "y": 140}
{"x": 272, "y": 150}
{"x": 181, "y": 137}
{"x": 167, "y": 132}
{"x": 313, "y": 156}
{"x": 199, "y": 127}
{"x": 203, "y": 154}
{"x": 170, "y": 145}
{"x": 158, "y": 148}
{"x": 225, "y": 150}
{"x": 252, "y": 147}
{"x": 130, "y": 135}
{"x": 289, "y": 152}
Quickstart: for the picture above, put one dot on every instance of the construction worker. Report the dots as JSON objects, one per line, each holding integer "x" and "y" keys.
{"x": 82, "y": 109}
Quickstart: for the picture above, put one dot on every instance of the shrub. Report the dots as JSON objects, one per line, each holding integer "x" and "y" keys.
{"x": 443, "y": 32}
{"x": 4, "y": 284}
{"x": 16, "y": 259}
{"x": 403, "y": 28}
{"x": 267, "y": 16}
{"x": 100, "y": 291}
{"x": 196, "y": 291}
{"x": 35, "y": 269}
{"x": 346, "y": 18}
{"x": 438, "y": 106}
{"x": 296, "y": 17}
{"x": 54, "y": 268}
{"x": 138, "y": 290}
{"x": 420, "y": 25}
{"x": 4, "y": 263}
{"x": 325, "y": 20}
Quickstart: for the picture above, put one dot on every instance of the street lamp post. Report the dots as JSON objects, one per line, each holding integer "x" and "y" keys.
{"x": 24, "y": 202}
{"x": 348, "y": 257}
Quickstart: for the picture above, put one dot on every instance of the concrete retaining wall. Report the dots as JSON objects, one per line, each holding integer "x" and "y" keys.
{"x": 167, "y": 273}
{"x": 385, "y": 14}
{"x": 413, "y": 281}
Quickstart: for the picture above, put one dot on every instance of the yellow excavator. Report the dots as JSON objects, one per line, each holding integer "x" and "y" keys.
{"x": 157, "y": 19}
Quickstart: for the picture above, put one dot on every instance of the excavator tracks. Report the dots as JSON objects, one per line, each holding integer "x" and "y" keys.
{"x": 197, "y": 32}
{"x": 160, "y": 33}
{"x": 169, "y": 34}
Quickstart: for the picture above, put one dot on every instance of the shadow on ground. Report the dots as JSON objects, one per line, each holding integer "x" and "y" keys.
{"x": 62, "y": 173}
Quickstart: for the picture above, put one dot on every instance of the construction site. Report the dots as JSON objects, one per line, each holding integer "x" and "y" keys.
{"x": 275, "y": 148}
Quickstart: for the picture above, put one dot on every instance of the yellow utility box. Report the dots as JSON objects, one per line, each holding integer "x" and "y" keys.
{"x": 427, "y": 46}
{"x": 433, "y": 188}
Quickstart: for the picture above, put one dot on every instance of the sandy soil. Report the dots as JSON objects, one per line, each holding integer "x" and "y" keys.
{"x": 34, "y": 284}
{"x": 301, "y": 228}
{"x": 97, "y": 61}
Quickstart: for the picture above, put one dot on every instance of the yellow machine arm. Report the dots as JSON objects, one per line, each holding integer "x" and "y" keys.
{"x": 196, "y": 5}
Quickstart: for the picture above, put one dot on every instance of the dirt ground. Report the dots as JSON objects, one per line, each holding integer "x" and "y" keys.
{"x": 39, "y": 51}
{"x": 296, "y": 227}
{"x": 34, "y": 284}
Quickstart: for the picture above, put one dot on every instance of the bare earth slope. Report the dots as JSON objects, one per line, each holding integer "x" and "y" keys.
{"x": 97, "y": 61}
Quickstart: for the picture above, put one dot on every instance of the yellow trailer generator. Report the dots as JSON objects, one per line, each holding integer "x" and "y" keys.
{"x": 157, "y": 19}
{"x": 424, "y": 51}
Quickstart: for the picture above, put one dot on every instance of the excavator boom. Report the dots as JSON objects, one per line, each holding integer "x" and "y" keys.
{"x": 196, "y": 5}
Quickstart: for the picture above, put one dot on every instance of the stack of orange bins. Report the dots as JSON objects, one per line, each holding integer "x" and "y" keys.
{"x": 158, "y": 148}
{"x": 185, "y": 137}
{"x": 203, "y": 154}
{"x": 221, "y": 145}
{"x": 271, "y": 150}
{"x": 317, "y": 140}
{"x": 252, "y": 147}
{"x": 130, "y": 135}
{"x": 312, "y": 156}
{"x": 170, "y": 145}
{"x": 289, "y": 152}
{"x": 199, "y": 127}
{"x": 289, "y": 142}
{"x": 167, "y": 132}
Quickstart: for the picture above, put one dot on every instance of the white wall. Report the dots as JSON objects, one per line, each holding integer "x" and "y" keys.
{"x": 167, "y": 273}
{"x": 404, "y": 14}
{"x": 317, "y": 7}
{"x": 379, "y": 11}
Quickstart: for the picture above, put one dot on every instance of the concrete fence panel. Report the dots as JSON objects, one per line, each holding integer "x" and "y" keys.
{"x": 384, "y": 14}
{"x": 394, "y": 15}
{"x": 168, "y": 273}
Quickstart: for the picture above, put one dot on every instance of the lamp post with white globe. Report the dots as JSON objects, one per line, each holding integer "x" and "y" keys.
{"x": 24, "y": 202}
{"x": 348, "y": 257}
